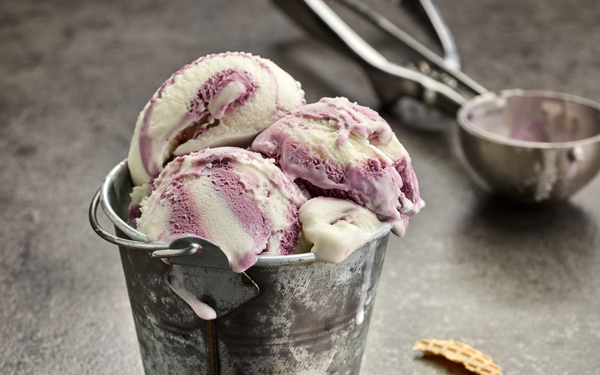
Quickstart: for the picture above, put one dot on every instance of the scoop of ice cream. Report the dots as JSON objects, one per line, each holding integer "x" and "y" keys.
{"x": 336, "y": 228}
{"x": 340, "y": 149}
{"x": 233, "y": 197}
{"x": 218, "y": 100}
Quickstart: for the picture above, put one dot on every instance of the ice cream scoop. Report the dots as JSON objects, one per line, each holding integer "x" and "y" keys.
{"x": 218, "y": 100}
{"x": 228, "y": 195}
{"x": 336, "y": 148}
{"x": 335, "y": 228}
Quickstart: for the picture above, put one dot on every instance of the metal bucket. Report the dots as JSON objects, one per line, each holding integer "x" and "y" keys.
{"x": 285, "y": 315}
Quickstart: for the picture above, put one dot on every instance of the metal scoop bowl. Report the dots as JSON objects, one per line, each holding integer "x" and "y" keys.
{"x": 528, "y": 146}
{"x": 531, "y": 146}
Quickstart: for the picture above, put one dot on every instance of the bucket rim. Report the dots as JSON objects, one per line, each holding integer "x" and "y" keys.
{"x": 136, "y": 240}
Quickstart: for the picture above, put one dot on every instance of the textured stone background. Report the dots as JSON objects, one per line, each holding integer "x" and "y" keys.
{"x": 520, "y": 283}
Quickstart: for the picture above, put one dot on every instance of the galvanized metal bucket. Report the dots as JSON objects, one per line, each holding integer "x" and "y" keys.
{"x": 285, "y": 315}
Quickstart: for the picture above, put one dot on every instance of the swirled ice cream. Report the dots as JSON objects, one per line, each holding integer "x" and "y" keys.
{"x": 218, "y": 100}
{"x": 228, "y": 150}
{"x": 230, "y": 196}
{"x": 336, "y": 148}
{"x": 193, "y": 176}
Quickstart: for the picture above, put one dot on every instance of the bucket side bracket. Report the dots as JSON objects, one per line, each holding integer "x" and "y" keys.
{"x": 208, "y": 276}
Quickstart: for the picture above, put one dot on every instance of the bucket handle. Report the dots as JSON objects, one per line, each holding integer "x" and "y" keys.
{"x": 159, "y": 249}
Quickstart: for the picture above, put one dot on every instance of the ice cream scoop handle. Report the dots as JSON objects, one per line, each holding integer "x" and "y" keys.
{"x": 390, "y": 80}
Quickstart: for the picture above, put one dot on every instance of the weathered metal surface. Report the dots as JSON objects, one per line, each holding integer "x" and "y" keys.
{"x": 303, "y": 321}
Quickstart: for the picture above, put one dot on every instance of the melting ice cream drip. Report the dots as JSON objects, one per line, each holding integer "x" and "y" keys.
{"x": 176, "y": 279}
{"x": 360, "y": 311}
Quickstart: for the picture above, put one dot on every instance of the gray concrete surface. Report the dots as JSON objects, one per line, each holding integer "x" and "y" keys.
{"x": 520, "y": 283}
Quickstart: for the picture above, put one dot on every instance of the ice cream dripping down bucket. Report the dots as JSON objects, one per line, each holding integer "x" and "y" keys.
{"x": 527, "y": 146}
{"x": 285, "y": 315}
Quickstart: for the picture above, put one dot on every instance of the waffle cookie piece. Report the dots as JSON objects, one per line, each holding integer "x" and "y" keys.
{"x": 458, "y": 352}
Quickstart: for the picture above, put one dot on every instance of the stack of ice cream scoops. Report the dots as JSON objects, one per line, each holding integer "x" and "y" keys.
{"x": 228, "y": 149}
